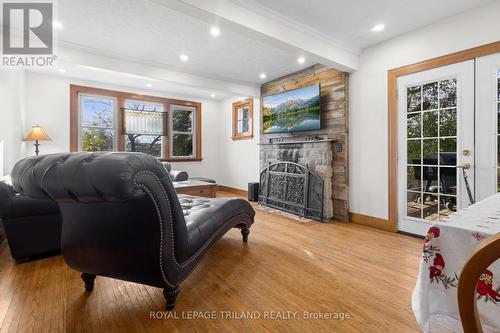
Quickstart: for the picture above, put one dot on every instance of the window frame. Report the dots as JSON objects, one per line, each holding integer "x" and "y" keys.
{"x": 242, "y": 135}
{"x": 171, "y": 131}
{"x": 114, "y": 128}
{"x": 164, "y": 138}
{"x": 121, "y": 97}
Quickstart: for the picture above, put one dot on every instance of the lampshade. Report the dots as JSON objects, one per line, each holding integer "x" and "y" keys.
{"x": 37, "y": 133}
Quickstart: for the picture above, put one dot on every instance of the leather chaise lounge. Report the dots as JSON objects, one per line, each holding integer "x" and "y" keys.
{"x": 122, "y": 218}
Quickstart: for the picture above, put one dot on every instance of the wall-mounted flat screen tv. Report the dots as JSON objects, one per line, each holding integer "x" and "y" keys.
{"x": 292, "y": 111}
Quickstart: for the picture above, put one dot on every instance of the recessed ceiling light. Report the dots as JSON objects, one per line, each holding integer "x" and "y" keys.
{"x": 149, "y": 85}
{"x": 184, "y": 57}
{"x": 62, "y": 70}
{"x": 212, "y": 95}
{"x": 262, "y": 76}
{"x": 301, "y": 60}
{"x": 57, "y": 25}
{"x": 215, "y": 31}
{"x": 378, "y": 27}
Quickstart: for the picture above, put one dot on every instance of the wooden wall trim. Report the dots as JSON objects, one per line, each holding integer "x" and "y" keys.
{"x": 73, "y": 118}
{"x": 393, "y": 75}
{"x": 198, "y": 133}
{"x": 370, "y": 221}
{"x": 233, "y": 190}
{"x": 121, "y": 96}
{"x": 234, "y": 120}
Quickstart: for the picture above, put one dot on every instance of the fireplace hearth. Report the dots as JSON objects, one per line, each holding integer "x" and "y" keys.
{"x": 316, "y": 156}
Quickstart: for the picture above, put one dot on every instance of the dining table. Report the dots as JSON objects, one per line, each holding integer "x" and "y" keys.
{"x": 446, "y": 248}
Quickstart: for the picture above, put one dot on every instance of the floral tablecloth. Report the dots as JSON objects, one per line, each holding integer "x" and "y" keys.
{"x": 446, "y": 247}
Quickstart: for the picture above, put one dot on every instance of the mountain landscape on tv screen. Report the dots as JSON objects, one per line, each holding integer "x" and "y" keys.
{"x": 292, "y": 114}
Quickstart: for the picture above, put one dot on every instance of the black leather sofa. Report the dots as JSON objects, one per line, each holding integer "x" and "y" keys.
{"x": 180, "y": 175}
{"x": 122, "y": 218}
{"x": 32, "y": 226}
{"x": 176, "y": 175}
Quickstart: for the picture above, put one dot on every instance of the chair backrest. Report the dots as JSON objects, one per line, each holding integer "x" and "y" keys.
{"x": 483, "y": 256}
{"x": 102, "y": 177}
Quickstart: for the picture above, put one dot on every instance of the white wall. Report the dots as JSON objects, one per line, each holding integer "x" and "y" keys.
{"x": 368, "y": 96}
{"x": 47, "y": 104}
{"x": 11, "y": 118}
{"x": 239, "y": 164}
{"x": 235, "y": 163}
{"x": 33, "y": 98}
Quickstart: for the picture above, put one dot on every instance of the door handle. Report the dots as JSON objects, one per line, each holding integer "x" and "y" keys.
{"x": 465, "y": 166}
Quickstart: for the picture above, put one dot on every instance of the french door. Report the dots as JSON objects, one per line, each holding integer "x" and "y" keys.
{"x": 487, "y": 125}
{"x": 436, "y": 153}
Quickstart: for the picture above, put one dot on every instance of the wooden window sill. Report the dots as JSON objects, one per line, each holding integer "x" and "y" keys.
{"x": 246, "y": 137}
{"x": 193, "y": 159}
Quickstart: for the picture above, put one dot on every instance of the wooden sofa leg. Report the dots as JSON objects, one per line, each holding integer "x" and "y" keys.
{"x": 245, "y": 231}
{"x": 170, "y": 297}
{"x": 89, "y": 280}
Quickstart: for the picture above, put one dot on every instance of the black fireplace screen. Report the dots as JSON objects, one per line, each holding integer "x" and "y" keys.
{"x": 293, "y": 188}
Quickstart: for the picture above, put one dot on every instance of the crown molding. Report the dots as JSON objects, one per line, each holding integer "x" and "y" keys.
{"x": 156, "y": 72}
{"x": 271, "y": 29}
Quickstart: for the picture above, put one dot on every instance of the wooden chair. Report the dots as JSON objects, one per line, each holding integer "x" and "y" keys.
{"x": 483, "y": 256}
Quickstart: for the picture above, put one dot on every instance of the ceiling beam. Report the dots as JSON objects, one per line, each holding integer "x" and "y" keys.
{"x": 269, "y": 29}
{"x": 78, "y": 57}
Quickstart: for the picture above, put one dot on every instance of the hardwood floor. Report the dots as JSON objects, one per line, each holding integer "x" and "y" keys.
{"x": 285, "y": 266}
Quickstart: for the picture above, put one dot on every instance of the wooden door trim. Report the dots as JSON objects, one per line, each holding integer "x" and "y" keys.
{"x": 393, "y": 75}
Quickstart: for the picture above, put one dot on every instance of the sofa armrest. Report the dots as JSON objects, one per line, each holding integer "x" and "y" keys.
{"x": 6, "y": 191}
{"x": 175, "y": 175}
{"x": 178, "y": 175}
{"x": 167, "y": 166}
{"x": 6, "y": 195}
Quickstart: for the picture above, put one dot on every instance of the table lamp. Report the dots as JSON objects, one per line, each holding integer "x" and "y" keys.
{"x": 36, "y": 134}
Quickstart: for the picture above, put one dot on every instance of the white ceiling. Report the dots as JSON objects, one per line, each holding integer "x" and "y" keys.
{"x": 351, "y": 21}
{"x": 156, "y": 32}
{"x": 151, "y": 33}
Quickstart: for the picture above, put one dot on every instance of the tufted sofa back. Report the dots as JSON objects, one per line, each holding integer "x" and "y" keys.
{"x": 83, "y": 177}
{"x": 93, "y": 178}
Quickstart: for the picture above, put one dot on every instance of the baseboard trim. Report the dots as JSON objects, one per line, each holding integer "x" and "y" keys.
{"x": 371, "y": 221}
{"x": 237, "y": 191}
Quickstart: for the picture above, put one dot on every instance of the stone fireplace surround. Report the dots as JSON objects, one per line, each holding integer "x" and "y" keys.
{"x": 317, "y": 155}
{"x": 328, "y": 159}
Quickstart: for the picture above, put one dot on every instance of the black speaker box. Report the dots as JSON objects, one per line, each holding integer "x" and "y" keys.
{"x": 253, "y": 191}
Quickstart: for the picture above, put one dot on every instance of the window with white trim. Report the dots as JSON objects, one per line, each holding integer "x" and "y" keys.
{"x": 182, "y": 131}
{"x": 97, "y": 118}
{"x": 144, "y": 127}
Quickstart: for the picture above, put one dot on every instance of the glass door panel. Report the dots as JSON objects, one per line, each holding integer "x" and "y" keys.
{"x": 432, "y": 149}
